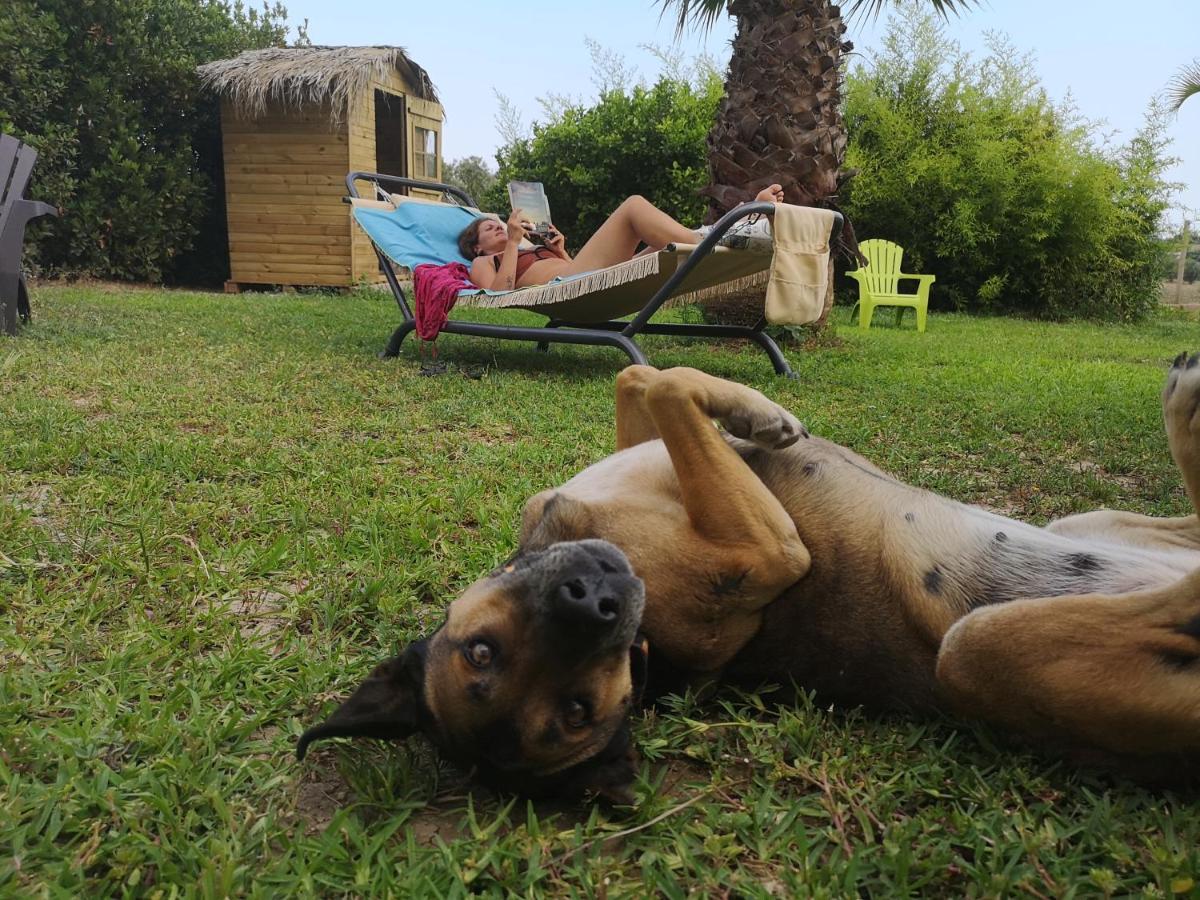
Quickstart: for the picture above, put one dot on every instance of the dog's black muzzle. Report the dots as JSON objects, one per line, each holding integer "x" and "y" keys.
{"x": 585, "y": 595}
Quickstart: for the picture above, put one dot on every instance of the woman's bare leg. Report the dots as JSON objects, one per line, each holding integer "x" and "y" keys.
{"x": 635, "y": 221}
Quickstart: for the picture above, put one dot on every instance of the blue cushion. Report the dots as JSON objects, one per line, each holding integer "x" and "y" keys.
{"x": 416, "y": 233}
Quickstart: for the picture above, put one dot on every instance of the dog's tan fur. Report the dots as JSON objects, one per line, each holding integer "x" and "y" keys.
{"x": 767, "y": 553}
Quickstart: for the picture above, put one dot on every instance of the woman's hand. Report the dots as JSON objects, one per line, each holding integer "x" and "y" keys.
{"x": 557, "y": 242}
{"x": 516, "y": 230}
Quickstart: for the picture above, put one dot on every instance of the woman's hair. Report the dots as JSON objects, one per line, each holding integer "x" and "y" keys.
{"x": 469, "y": 238}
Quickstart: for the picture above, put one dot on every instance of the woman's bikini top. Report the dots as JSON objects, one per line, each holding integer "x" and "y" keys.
{"x": 526, "y": 258}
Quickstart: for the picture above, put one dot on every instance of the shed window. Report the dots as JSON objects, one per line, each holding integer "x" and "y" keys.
{"x": 425, "y": 152}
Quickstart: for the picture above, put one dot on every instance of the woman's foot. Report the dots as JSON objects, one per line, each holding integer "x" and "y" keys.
{"x": 772, "y": 193}
{"x": 754, "y": 232}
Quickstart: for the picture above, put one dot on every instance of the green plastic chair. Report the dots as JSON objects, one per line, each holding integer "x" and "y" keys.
{"x": 879, "y": 281}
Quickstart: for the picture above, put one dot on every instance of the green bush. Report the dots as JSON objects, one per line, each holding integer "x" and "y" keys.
{"x": 997, "y": 190}
{"x": 129, "y": 147}
{"x": 646, "y": 140}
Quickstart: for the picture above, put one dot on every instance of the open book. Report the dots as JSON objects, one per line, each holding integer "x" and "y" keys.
{"x": 530, "y": 198}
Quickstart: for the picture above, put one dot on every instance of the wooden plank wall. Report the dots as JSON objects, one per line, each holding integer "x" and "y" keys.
{"x": 364, "y": 264}
{"x": 284, "y": 182}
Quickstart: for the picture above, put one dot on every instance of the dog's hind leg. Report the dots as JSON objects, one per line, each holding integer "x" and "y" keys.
{"x": 1119, "y": 674}
{"x": 1181, "y": 413}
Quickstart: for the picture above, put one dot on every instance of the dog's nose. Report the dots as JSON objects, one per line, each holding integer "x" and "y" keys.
{"x": 587, "y": 601}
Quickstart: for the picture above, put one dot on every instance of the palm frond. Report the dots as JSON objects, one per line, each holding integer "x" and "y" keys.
{"x": 872, "y": 8}
{"x": 700, "y": 14}
{"x": 1185, "y": 83}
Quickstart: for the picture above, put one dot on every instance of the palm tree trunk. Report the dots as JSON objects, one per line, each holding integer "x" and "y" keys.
{"x": 780, "y": 118}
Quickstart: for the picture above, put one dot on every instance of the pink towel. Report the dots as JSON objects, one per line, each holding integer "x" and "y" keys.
{"x": 435, "y": 288}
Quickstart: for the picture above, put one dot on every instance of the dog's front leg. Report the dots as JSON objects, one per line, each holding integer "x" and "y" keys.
{"x": 734, "y": 522}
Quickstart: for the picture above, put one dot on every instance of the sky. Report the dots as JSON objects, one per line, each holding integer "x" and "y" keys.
{"x": 1110, "y": 56}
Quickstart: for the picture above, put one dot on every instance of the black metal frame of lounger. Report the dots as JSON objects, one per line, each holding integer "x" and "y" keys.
{"x": 614, "y": 333}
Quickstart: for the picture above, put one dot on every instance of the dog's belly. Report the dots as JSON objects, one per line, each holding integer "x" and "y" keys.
{"x": 894, "y": 566}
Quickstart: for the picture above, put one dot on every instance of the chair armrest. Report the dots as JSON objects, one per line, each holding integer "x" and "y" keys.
{"x": 927, "y": 279}
{"x": 860, "y": 277}
{"x": 36, "y": 209}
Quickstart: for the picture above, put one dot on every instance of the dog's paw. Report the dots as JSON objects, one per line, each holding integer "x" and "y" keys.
{"x": 1181, "y": 398}
{"x": 767, "y": 424}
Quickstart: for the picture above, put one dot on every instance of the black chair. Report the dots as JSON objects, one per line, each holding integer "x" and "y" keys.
{"x": 16, "y": 167}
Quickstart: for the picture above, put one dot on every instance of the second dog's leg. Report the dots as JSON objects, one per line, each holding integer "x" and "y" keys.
{"x": 1181, "y": 413}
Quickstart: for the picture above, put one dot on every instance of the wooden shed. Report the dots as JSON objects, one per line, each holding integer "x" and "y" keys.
{"x": 294, "y": 121}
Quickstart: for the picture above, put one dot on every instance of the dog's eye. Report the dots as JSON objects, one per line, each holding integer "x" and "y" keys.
{"x": 577, "y": 713}
{"x": 479, "y": 654}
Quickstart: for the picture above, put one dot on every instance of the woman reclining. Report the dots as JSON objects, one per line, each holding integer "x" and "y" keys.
{"x": 499, "y": 264}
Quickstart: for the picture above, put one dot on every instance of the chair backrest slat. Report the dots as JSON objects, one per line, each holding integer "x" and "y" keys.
{"x": 8, "y": 155}
{"x": 16, "y": 167}
{"x": 883, "y": 265}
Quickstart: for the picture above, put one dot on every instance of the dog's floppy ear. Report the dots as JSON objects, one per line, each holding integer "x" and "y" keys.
{"x": 388, "y": 705}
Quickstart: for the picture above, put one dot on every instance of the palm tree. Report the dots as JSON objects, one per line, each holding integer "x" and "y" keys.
{"x": 1184, "y": 84}
{"x": 780, "y": 117}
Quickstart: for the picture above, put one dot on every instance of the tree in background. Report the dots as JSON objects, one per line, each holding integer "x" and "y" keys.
{"x": 1185, "y": 84}
{"x": 472, "y": 174}
{"x": 1000, "y": 192}
{"x": 639, "y": 140}
{"x": 129, "y": 146}
{"x": 780, "y": 118}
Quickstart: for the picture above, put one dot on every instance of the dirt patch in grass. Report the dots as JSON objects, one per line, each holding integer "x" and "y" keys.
{"x": 263, "y": 614}
{"x": 318, "y": 799}
{"x": 1128, "y": 483}
{"x": 435, "y": 822}
{"x": 40, "y": 501}
{"x": 92, "y": 406}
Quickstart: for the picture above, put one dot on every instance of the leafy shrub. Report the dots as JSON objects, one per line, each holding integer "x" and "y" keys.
{"x": 129, "y": 147}
{"x": 644, "y": 140}
{"x": 1000, "y": 192}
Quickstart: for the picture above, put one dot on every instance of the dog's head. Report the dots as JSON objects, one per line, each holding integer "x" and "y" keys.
{"x": 529, "y": 681}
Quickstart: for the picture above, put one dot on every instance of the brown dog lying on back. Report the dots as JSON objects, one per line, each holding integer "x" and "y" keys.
{"x": 762, "y": 552}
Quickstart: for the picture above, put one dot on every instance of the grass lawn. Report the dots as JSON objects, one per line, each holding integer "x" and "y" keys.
{"x": 217, "y": 513}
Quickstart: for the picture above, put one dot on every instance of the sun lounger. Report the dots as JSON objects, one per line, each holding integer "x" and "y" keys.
{"x": 581, "y": 309}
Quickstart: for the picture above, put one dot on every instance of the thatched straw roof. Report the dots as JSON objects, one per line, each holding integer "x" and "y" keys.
{"x": 308, "y": 76}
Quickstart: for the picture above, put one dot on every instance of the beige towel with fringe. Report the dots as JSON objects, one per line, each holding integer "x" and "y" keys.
{"x": 800, "y": 269}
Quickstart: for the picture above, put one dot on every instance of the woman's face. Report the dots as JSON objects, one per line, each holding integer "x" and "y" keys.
{"x": 493, "y": 237}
